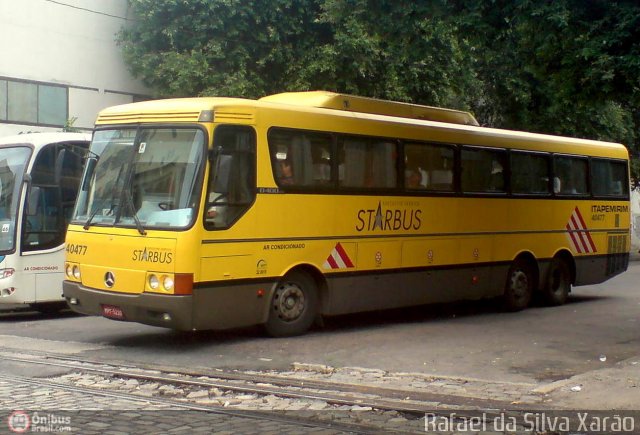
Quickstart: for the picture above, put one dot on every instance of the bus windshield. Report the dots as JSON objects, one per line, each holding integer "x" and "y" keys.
{"x": 13, "y": 162}
{"x": 144, "y": 178}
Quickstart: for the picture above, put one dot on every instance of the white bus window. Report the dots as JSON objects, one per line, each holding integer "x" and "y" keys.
{"x": 49, "y": 205}
{"x": 13, "y": 161}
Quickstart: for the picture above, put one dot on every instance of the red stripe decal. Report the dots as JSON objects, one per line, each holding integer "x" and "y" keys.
{"x": 343, "y": 254}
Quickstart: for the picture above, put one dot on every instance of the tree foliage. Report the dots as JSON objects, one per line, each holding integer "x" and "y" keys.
{"x": 563, "y": 67}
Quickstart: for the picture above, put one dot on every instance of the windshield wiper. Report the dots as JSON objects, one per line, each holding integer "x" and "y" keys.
{"x": 114, "y": 203}
{"x": 87, "y": 224}
{"x": 132, "y": 206}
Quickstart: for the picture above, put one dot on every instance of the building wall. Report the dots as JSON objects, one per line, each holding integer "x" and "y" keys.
{"x": 52, "y": 47}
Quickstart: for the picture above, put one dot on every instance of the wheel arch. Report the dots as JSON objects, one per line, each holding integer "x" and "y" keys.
{"x": 294, "y": 305}
{"x": 318, "y": 277}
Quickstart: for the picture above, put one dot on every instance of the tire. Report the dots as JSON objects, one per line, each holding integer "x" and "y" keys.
{"x": 558, "y": 285}
{"x": 293, "y": 307}
{"x": 519, "y": 287}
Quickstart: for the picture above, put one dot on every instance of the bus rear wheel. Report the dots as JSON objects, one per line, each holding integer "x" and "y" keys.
{"x": 519, "y": 287}
{"x": 293, "y": 306}
{"x": 558, "y": 285}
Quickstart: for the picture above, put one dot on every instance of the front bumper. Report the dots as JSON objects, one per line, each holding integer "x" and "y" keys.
{"x": 147, "y": 308}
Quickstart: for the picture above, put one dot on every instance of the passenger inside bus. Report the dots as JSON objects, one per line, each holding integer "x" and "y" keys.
{"x": 285, "y": 176}
{"x": 497, "y": 177}
{"x": 416, "y": 178}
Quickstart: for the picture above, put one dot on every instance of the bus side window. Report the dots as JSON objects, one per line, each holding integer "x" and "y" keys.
{"x": 231, "y": 188}
{"x": 483, "y": 170}
{"x": 571, "y": 173}
{"x": 428, "y": 166}
{"x": 530, "y": 173}
{"x": 368, "y": 163}
{"x": 609, "y": 178}
{"x": 300, "y": 159}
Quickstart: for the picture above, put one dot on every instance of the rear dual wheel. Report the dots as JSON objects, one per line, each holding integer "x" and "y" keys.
{"x": 558, "y": 285}
{"x": 521, "y": 281}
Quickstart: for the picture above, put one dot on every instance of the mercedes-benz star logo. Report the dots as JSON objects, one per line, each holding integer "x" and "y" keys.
{"x": 109, "y": 279}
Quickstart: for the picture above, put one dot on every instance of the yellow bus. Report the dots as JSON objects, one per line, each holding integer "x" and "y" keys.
{"x": 213, "y": 213}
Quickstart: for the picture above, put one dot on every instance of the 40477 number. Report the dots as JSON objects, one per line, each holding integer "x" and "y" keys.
{"x": 76, "y": 249}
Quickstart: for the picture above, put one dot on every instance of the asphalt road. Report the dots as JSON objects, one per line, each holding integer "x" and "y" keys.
{"x": 597, "y": 328}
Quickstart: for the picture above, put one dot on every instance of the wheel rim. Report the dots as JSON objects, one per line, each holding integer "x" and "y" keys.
{"x": 519, "y": 284}
{"x": 289, "y": 302}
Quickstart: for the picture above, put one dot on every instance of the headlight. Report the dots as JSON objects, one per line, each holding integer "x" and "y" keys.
{"x": 153, "y": 282}
{"x": 69, "y": 271}
{"x": 167, "y": 282}
{"x": 76, "y": 272}
{"x": 6, "y": 273}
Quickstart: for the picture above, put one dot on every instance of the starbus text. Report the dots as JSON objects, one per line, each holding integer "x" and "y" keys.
{"x": 390, "y": 219}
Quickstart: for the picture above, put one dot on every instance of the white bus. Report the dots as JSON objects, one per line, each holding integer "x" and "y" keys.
{"x": 39, "y": 178}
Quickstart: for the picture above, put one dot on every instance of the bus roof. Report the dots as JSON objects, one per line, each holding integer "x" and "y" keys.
{"x": 45, "y": 138}
{"x": 327, "y": 103}
{"x": 188, "y": 109}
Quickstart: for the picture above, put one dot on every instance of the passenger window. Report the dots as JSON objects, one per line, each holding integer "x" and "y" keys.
{"x": 367, "y": 163}
{"x": 428, "y": 167}
{"x": 483, "y": 170}
{"x": 300, "y": 158}
{"x": 232, "y": 176}
{"x": 570, "y": 175}
{"x": 530, "y": 173}
{"x": 609, "y": 178}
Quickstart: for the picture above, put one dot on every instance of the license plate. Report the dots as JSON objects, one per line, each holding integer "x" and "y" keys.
{"x": 112, "y": 312}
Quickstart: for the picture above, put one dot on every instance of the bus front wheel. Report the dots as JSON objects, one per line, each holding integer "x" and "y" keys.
{"x": 519, "y": 287}
{"x": 293, "y": 306}
{"x": 558, "y": 285}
